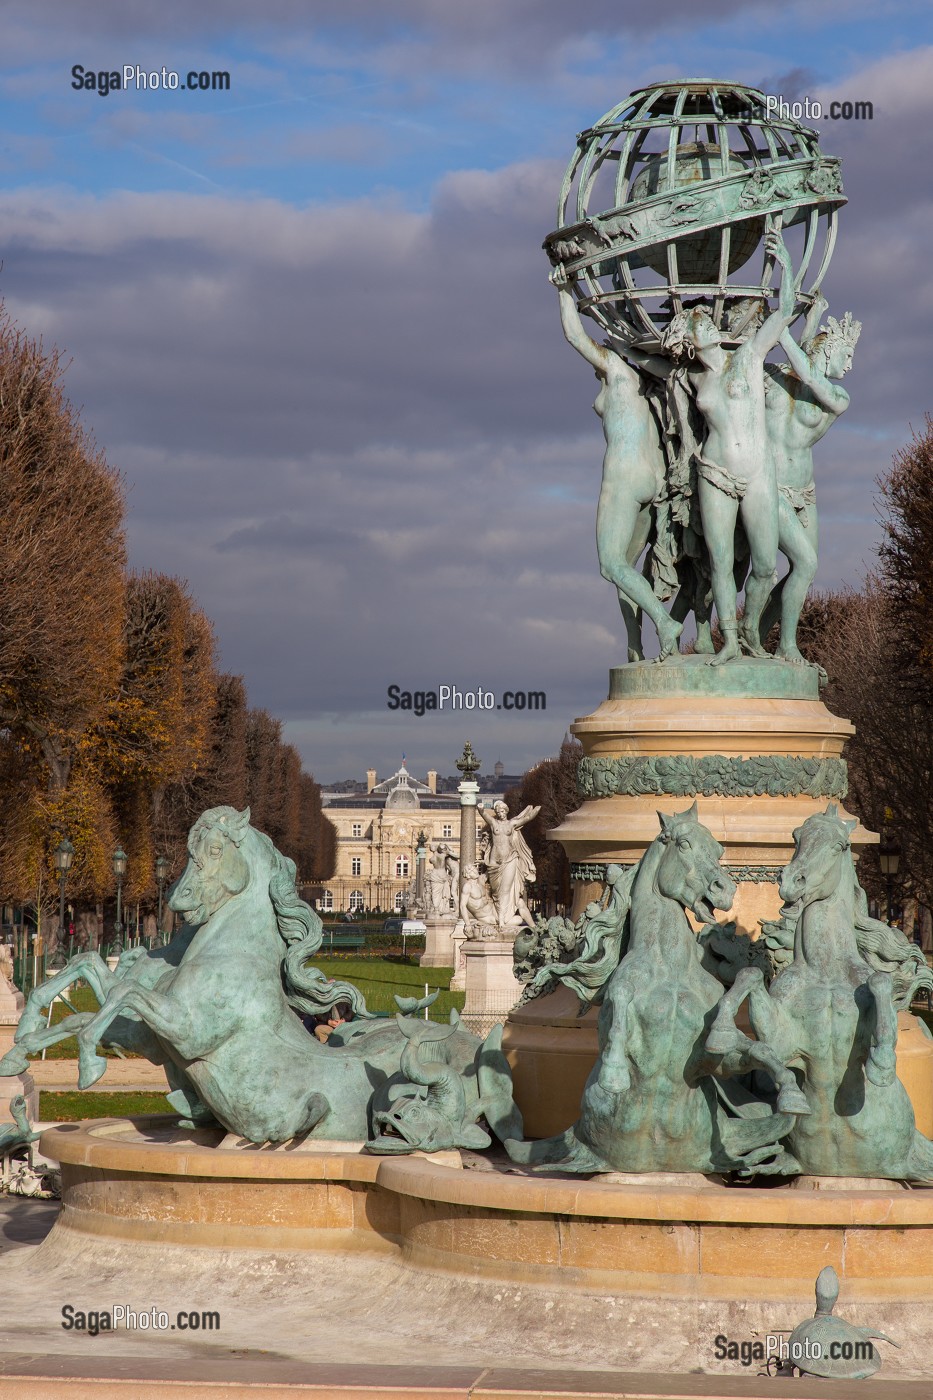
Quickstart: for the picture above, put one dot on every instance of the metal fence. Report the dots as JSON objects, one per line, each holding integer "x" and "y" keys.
{"x": 32, "y": 968}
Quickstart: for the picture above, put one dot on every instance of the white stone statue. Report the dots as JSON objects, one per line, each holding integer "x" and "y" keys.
{"x": 441, "y": 881}
{"x": 479, "y": 917}
{"x": 509, "y": 864}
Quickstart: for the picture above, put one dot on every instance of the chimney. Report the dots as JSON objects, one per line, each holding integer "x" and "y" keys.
{"x": 432, "y": 780}
{"x": 370, "y": 779}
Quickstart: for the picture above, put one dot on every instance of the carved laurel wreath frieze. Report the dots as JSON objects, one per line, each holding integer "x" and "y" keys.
{"x": 713, "y": 775}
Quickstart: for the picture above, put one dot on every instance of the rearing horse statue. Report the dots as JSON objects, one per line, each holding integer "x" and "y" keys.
{"x": 224, "y": 1012}
{"x": 832, "y": 1016}
{"x": 657, "y": 1099}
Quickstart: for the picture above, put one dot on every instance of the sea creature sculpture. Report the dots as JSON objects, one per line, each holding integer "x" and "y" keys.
{"x": 438, "y": 1107}
{"x": 831, "y": 1016}
{"x": 20, "y": 1132}
{"x": 656, "y": 1099}
{"x": 224, "y": 1011}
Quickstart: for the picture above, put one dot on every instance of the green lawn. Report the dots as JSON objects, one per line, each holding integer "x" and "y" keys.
{"x": 377, "y": 979}
{"x": 71, "y": 1108}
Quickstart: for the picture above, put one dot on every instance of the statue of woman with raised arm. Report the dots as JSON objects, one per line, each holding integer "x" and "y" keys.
{"x": 801, "y": 405}
{"x": 735, "y": 470}
{"x": 633, "y": 476}
{"x": 509, "y": 864}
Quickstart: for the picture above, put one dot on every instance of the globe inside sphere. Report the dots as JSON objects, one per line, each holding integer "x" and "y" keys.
{"x": 698, "y": 256}
{"x": 668, "y": 197}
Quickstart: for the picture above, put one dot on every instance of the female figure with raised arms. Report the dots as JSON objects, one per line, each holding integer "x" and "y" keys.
{"x": 633, "y": 476}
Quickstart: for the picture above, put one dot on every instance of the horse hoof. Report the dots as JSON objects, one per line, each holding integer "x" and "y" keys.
{"x": 793, "y": 1100}
{"x": 92, "y": 1069}
{"x": 15, "y": 1061}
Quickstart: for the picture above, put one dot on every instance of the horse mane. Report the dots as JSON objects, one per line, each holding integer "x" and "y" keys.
{"x": 300, "y": 928}
{"x": 889, "y": 950}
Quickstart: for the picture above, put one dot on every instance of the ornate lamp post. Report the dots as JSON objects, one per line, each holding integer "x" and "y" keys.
{"x": 467, "y": 765}
{"x": 119, "y": 870}
{"x": 420, "y": 854}
{"x": 161, "y": 873}
{"x": 889, "y": 858}
{"x": 63, "y": 856}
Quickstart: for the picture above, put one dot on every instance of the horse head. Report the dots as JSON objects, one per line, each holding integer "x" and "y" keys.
{"x": 217, "y": 867}
{"x": 689, "y": 869}
{"x": 822, "y": 857}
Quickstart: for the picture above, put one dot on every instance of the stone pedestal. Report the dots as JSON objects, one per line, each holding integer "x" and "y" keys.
{"x": 438, "y": 943}
{"x": 751, "y": 742}
{"x": 458, "y": 981}
{"x": 12, "y": 1003}
{"x": 491, "y": 987}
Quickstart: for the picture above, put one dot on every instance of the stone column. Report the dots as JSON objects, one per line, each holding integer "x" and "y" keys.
{"x": 467, "y": 764}
{"x": 12, "y": 1003}
{"x": 420, "y": 855}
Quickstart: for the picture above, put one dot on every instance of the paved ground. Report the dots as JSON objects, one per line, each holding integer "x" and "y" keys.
{"x": 343, "y": 1325}
{"x": 24, "y": 1222}
{"x": 122, "y": 1076}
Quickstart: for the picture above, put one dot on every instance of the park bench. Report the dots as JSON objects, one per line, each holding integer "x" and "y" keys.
{"x": 347, "y": 941}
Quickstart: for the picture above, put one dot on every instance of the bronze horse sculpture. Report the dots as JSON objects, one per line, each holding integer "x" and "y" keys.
{"x": 657, "y": 1098}
{"x": 223, "y": 1008}
{"x": 831, "y": 1016}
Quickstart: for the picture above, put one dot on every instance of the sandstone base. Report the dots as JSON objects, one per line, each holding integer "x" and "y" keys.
{"x": 12, "y": 1003}
{"x": 438, "y": 943}
{"x": 491, "y": 987}
{"x": 661, "y": 1238}
{"x": 687, "y": 709}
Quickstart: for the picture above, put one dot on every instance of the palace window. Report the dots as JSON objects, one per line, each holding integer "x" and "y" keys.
{"x": 356, "y": 900}
{"x": 327, "y": 899}
{"x": 401, "y": 868}
{"x": 447, "y": 829}
{"x": 398, "y": 902}
{"x": 356, "y": 865}
{"x": 357, "y": 829}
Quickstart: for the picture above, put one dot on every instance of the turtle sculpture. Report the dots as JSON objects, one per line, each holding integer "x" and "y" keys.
{"x": 825, "y": 1345}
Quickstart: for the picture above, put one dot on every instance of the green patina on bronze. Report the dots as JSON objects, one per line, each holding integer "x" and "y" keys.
{"x": 591, "y": 872}
{"x": 221, "y": 1007}
{"x": 666, "y": 1103}
{"x": 713, "y": 775}
{"x": 831, "y": 1016}
{"x": 707, "y": 471}
{"x": 683, "y": 677}
{"x": 824, "y": 1020}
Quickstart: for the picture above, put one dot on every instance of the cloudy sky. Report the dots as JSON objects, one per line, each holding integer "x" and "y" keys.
{"x": 309, "y": 320}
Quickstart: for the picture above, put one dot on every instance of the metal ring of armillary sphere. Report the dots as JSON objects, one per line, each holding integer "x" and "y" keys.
{"x": 668, "y": 196}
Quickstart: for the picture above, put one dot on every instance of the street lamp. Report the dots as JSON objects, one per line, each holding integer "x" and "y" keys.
{"x": 63, "y": 856}
{"x": 161, "y": 871}
{"x": 119, "y": 870}
{"x": 889, "y": 858}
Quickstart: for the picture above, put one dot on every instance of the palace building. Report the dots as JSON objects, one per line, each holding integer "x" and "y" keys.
{"x": 377, "y": 836}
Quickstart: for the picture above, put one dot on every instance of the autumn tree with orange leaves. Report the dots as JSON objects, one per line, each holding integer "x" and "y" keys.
{"x": 114, "y": 724}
